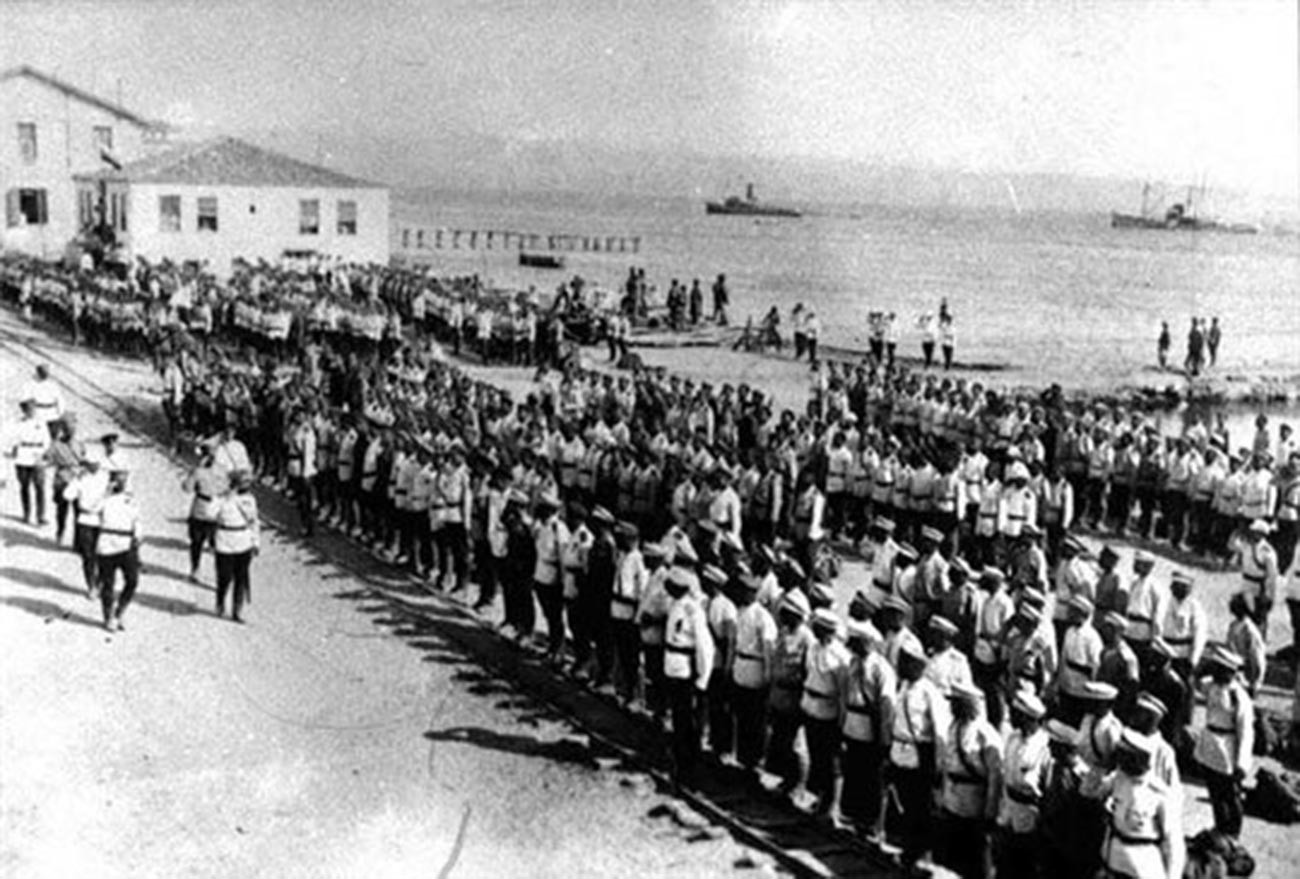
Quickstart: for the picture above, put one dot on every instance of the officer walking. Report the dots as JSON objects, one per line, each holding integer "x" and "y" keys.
{"x": 117, "y": 549}
{"x": 236, "y": 543}
{"x": 87, "y": 493}
{"x": 207, "y": 483}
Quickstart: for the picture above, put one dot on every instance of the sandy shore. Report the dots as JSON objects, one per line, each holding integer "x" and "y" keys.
{"x": 1146, "y": 387}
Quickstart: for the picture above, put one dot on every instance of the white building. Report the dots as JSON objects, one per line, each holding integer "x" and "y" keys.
{"x": 221, "y": 199}
{"x": 49, "y": 131}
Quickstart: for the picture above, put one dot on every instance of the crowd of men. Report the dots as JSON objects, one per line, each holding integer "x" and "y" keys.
{"x": 678, "y": 539}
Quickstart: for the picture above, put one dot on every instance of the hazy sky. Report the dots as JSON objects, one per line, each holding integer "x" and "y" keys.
{"x": 1174, "y": 89}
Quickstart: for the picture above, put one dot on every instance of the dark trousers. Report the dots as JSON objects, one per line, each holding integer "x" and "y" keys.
{"x": 201, "y": 534}
{"x": 232, "y": 570}
{"x": 1022, "y": 854}
{"x": 626, "y": 640}
{"x": 749, "y": 708}
{"x": 1225, "y": 800}
{"x": 107, "y": 566}
{"x": 782, "y": 758}
{"x": 84, "y": 538}
{"x": 965, "y": 845}
{"x": 453, "y": 549}
{"x": 652, "y": 655}
{"x": 304, "y": 496}
{"x": 722, "y": 724}
{"x": 927, "y": 352}
{"x": 31, "y": 490}
{"x": 947, "y": 357}
{"x": 1284, "y": 541}
{"x": 861, "y": 795}
{"x": 912, "y": 822}
{"x": 1293, "y": 607}
{"x": 823, "y": 752}
{"x": 551, "y": 597}
{"x": 63, "y": 507}
{"x": 520, "y": 611}
{"x": 683, "y": 705}
{"x": 487, "y": 572}
{"x": 989, "y": 679}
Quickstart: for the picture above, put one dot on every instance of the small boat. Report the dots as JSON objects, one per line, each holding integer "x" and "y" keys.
{"x": 541, "y": 260}
{"x": 749, "y": 206}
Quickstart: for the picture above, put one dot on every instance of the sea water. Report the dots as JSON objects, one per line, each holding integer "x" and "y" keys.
{"x": 1061, "y": 295}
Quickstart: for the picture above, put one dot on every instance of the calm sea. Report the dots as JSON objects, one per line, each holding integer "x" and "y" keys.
{"x": 1062, "y": 294}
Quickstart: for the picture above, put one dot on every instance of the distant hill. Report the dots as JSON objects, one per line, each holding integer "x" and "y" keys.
{"x": 444, "y": 160}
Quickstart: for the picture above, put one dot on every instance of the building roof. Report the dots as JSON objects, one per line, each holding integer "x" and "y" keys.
{"x": 27, "y": 72}
{"x": 228, "y": 161}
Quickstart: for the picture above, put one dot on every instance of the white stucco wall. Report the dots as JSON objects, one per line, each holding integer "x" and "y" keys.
{"x": 255, "y": 223}
{"x": 66, "y": 146}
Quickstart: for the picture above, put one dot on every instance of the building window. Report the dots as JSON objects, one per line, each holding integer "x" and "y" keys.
{"x": 121, "y": 211}
{"x": 26, "y": 207}
{"x": 419, "y": 239}
{"x": 406, "y": 239}
{"x": 208, "y": 214}
{"x": 27, "y": 142}
{"x": 309, "y": 216}
{"x": 347, "y": 218}
{"x": 169, "y": 213}
{"x": 104, "y": 137}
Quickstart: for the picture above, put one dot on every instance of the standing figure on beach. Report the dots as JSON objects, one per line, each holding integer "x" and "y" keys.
{"x": 947, "y": 337}
{"x": 1163, "y": 344}
{"x": 1195, "y": 349}
{"x": 695, "y": 302}
{"x": 1212, "y": 339}
{"x": 928, "y": 338}
{"x": 720, "y": 300}
{"x": 812, "y": 328}
{"x": 891, "y": 339}
{"x": 796, "y": 325}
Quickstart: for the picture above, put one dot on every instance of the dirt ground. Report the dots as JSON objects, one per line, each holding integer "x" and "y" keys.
{"x": 329, "y": 736}
{"x": 325, "y": 738}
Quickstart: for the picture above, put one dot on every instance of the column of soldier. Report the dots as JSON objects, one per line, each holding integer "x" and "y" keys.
{"x": 729, "y": 603}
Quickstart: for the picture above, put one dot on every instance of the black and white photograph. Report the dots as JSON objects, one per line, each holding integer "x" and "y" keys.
{"x": 568, "y": 439}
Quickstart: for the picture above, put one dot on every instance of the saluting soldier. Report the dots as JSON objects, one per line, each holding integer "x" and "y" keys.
{"x": 236, "y": 543}
{"x": 651, "y": 615}
{"x": 117, "y": 549}
{"x": 721, "y": 613}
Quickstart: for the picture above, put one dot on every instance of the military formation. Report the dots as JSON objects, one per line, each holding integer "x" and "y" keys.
{"x": 682, "y": 541}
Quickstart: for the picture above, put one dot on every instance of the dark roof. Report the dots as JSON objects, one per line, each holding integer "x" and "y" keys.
{"x": 227, "y": 161}
{"x": 28, "y": 72}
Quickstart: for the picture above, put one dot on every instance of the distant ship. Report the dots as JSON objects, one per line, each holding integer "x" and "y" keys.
{"x": 1179, "y": 217}
{"x": 748, "y": 206}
